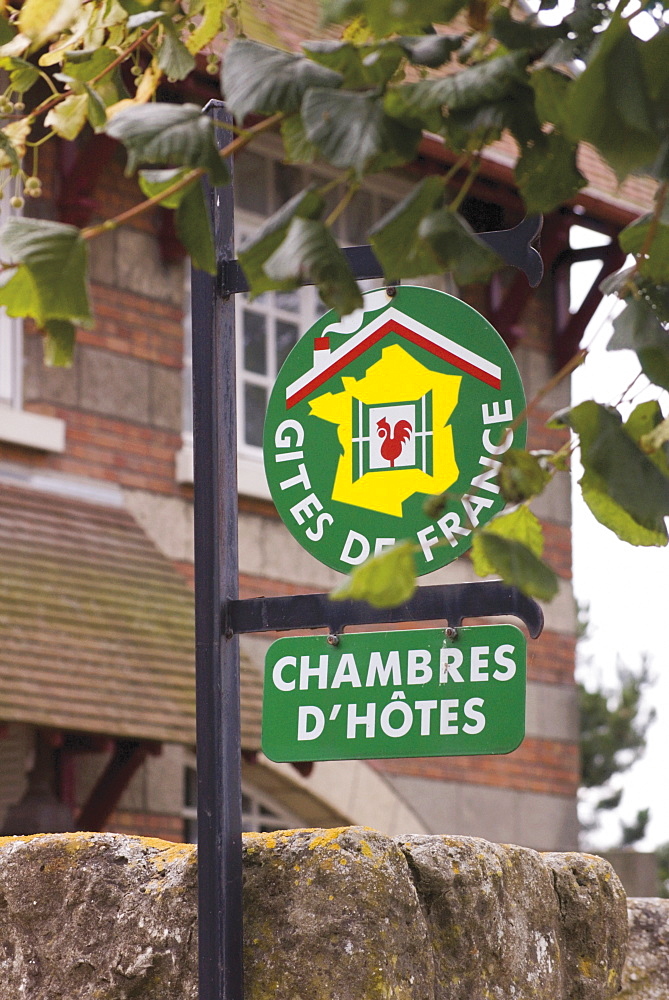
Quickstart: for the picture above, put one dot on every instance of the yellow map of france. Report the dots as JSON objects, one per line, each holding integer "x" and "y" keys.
{"x": 395, "y": 378}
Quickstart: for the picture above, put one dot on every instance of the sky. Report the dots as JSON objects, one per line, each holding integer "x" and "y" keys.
{"x": 626, "y": 590}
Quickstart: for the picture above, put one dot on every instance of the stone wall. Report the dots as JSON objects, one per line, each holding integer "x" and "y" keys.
{"x": 344, "y": 914}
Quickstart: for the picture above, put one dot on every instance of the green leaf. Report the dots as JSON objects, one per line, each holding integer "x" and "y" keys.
{"x": 655, "y": 440}
{"x": 296, "y": 146}
{"x": 175, "y": 134}
{"x": 8, "y": 149}
{"x": 359, "y": 66}
{"x": 387, "y": 17}
{"x": 487, "y": 82}
{"x": 547, "y": 174}
{"x": 95, "y": 109}
{"x": 610, "y": 100}
{"x": 174, "y": 58}
{"x": 638, "y": 328}
{"x": 308, "y": 205}
{"x": 395, "y": 238}
{"x": 457, "y": 248}
{"x": 525, "y": 34}
{"x": 657, "y": 297}
{"x": 258, "y": 78}
{"x": 472, "y": 128}
{"x": 310, "y": 255}
{"x": 430, "y": 50}
{"x": 153, "y": 182}
{"x": 7, "y": 30}
{"x": 84, "y": 64}
{"x": 194, "y": 230}
{"x": 646, "y": 426}
{"x": 654, "y": 263}
{"x": 624, "y": 489}
{"x": 353, "y": 131}
{"x": 519, "y": 525}
{"x": 515, "y": 564}
{"x": 69, "y": 117}
{"x": 613, "y": 516}
{"x": 51, "y": 281}
{"x": 385, "y": 581}
{"x": 209, "y": 26}
{"x": 22, "y": 74}
{"x": 42, "y": 20}
{"x": 521, "y": 476}
{"x": 551, "y": 91}
{"x": 59, "y": 343}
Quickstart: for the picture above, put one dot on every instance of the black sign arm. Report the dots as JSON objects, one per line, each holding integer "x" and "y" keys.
{"x": 515, "y": 246}
{"x": 451, "y": 603}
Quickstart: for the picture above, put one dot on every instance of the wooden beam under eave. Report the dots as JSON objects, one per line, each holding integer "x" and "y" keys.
{"x": 127, "y": 757}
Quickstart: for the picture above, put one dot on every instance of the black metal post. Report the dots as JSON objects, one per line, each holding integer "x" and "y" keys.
{"x": 216, "y": 582}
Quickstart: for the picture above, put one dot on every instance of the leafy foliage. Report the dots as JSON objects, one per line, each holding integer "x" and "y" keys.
{"x": 361, "y": 103}
{"x": 613, "y": 735}
{"x": 384, "y": 581}
{"x": 510, "y": 547}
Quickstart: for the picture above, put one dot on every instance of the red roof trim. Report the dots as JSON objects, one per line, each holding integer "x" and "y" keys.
{"x": 391, "y": 326}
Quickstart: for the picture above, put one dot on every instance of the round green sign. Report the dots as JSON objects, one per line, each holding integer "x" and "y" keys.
{"x": 409, "y": 397}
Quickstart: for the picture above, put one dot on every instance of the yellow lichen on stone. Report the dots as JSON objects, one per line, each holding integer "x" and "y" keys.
{"x": 585, "y": 967}
{"x": 328, "y": 838}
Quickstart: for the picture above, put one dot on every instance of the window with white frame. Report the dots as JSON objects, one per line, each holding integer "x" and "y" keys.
{"x": 260, "y": 813}
{"x": 269, "y": 325}
{"x": 10, "y": 341}
{"x": 17, "y": 426}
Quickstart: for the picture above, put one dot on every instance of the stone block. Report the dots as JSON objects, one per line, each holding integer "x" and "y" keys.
{"x": 646, "y": 974}
{"x": 97, "y": 917}
{"x": 507, "y": 922}
{"x": 342, "y": 914}
{"x": 168, "y": 521}
{"x": 139, "y": 268}
{"x": 47, "y": 385}
{"x": 114, "y": 386}
{"x": 103, "y": 257}
{"x": 165, "y": 398}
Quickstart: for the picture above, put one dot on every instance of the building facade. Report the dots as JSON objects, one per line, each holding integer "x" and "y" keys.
{"x": 96, "y": 530}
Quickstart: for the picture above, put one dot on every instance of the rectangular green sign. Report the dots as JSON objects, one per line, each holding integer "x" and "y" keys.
{"x": 406, "y": 693}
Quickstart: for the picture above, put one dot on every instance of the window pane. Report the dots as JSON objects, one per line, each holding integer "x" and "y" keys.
{"x": 288, "y": 301}
{"x": 255, "y": 404}
{"x": 359, "y": 218}
{"x": 286, "y": 338}
{"x": 251, "y": 188}
{"x": 190, "y": 787}
{"x": 255, "y": 349}
{"x": 288, "y": 181}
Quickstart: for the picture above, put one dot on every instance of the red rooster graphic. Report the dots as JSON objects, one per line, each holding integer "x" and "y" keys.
{"x": 394, "y": 440}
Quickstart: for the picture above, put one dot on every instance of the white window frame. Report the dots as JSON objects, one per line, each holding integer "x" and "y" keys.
{"x": 251, "y": 479}
{"x": 251, "y": 476}
{"x": 19, "y": 426}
